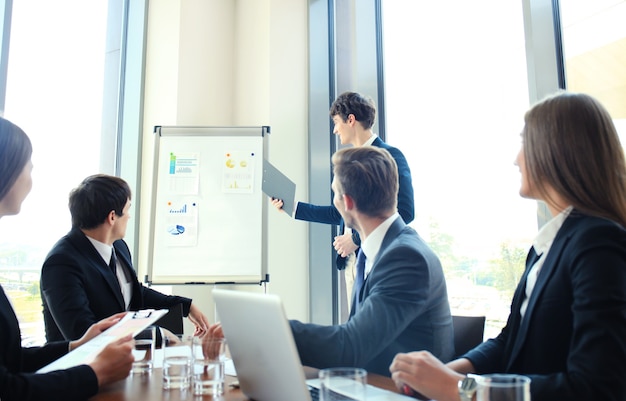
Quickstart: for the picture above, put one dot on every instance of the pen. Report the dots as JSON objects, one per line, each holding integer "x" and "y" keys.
{"x": 406, "y": 390}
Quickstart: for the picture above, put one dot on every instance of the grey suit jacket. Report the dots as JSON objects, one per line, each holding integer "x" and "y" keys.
{"x": 403, "y": 307}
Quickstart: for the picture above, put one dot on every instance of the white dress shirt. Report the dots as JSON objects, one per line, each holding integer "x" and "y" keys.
{"x": 371, "y": 245}
{"x": 105, "y": 252}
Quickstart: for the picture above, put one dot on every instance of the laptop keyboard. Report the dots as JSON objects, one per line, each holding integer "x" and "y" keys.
{"x": 315, "y": 395}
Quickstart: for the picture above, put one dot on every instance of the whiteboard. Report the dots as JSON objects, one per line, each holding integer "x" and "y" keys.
{"x": 209, "y": 214}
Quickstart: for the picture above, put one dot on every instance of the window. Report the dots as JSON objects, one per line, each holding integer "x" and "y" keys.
{"x": 455, "y": 94}
{"x": 594, "y": 49}
{"x": 452, "y": 84}
{"x": 54, "y": 92}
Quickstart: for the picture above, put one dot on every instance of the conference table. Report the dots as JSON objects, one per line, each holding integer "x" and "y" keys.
{"x": 149, "y": 388}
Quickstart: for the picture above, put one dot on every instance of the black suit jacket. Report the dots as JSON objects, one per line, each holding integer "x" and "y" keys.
{"x": 18, "y": 382}
{"x": 572, "y": 339}
{"x": 78, "y": 288}
{"x": 330, "y": 215}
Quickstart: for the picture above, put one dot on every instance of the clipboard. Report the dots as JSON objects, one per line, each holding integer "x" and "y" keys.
{"x": 277, "y": 185}
{"x": 132, "y": 323}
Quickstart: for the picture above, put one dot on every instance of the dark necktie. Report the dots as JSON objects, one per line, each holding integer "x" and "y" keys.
{"x": 519, "y": 298}
{"x": 360, "y": 276}
{"x": 113, "y": 263}
{"x": 532, "y": 257}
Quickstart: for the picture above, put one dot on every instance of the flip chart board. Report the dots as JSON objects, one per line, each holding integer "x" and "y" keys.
{"x": 209, "y": 214}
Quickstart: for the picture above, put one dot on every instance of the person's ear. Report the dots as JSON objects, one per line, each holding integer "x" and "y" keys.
{"x": 111, "y": 217}
{"x": 348, "y": 202}
{"x": 351, "y": 119}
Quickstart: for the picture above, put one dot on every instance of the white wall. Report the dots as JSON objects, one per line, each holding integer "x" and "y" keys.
{"x": 234, "y": 62}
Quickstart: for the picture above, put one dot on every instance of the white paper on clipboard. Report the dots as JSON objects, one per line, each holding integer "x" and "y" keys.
{"x": 277, "y": 185}
{"x": 132, "y": 323}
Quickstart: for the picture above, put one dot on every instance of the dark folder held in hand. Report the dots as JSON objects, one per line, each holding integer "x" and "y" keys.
{"x": 277, "y": 185}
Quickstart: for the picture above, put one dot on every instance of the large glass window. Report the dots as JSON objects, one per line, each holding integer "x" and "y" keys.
{"x": 594, "y": 49}
{"x": 54, "y": 92}
{"x": 456, "y": 89}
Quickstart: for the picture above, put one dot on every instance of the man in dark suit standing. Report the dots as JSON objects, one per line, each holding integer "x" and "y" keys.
{"x": 400, "y": 298}
{"x": 88, "y": 275}
{"x": 353, "y": 116}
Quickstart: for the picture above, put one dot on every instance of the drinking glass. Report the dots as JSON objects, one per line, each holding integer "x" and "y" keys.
{"x": 502, "y": 387}
{"x": 144, "y": 351}
{"x": 177, "y": 361}
{"x": 345, "y": 383}
{"x": 209, "y": 354}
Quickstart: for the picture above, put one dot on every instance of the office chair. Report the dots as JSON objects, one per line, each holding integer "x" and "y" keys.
{"x": 172, "y": 320}
{"x": 468, "y": 333}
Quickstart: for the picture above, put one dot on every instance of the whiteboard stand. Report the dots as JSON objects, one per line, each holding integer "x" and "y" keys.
{"x": 209, "y": 213}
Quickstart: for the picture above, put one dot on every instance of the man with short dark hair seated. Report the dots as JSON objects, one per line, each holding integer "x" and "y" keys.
{"x": 400, "y": 301}
{"x": 88, "y": 274}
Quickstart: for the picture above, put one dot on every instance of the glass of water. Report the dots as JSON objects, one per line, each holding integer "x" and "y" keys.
{"x": 177, "y": 360}
{"x": 342, "y": 384}
{"x": 144, "y": 351}
{"x": 209, "y": 354}
{"x": 502, "y": 387}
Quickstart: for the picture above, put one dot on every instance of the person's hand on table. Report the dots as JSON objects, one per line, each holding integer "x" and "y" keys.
{"x": 114, "y": 362}
{"x": 426, "y": 376}
{"x": 344, "y": 245}
{"x": 211, "y": 349}
{"x": 198, "y": 319}
{"x": 216, "y": 331}
{"x": 96, "y": 329}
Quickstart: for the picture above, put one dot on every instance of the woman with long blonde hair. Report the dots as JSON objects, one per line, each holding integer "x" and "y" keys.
{"x": 567, "y": 327}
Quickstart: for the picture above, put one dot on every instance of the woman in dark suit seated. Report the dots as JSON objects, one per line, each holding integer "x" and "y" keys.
{"x": 567, "y": 326}
{"x": 18, "y": 380}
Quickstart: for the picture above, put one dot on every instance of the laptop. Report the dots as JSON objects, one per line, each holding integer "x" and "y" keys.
{"x": 264, "y": 352}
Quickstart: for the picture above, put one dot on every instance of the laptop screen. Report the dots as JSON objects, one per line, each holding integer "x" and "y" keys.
{"x": 261, "y": 344}
{"x": 264, "y": 352}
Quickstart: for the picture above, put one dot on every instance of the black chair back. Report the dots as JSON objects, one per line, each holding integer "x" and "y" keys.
{"x": 172, "y": 320}
{"x": 468, "y": 333}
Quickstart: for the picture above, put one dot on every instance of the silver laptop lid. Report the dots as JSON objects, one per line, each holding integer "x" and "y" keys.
{"x": 261, "y": 345}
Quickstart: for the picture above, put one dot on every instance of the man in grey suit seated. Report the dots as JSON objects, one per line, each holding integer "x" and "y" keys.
{"x": 401, "y": 304}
